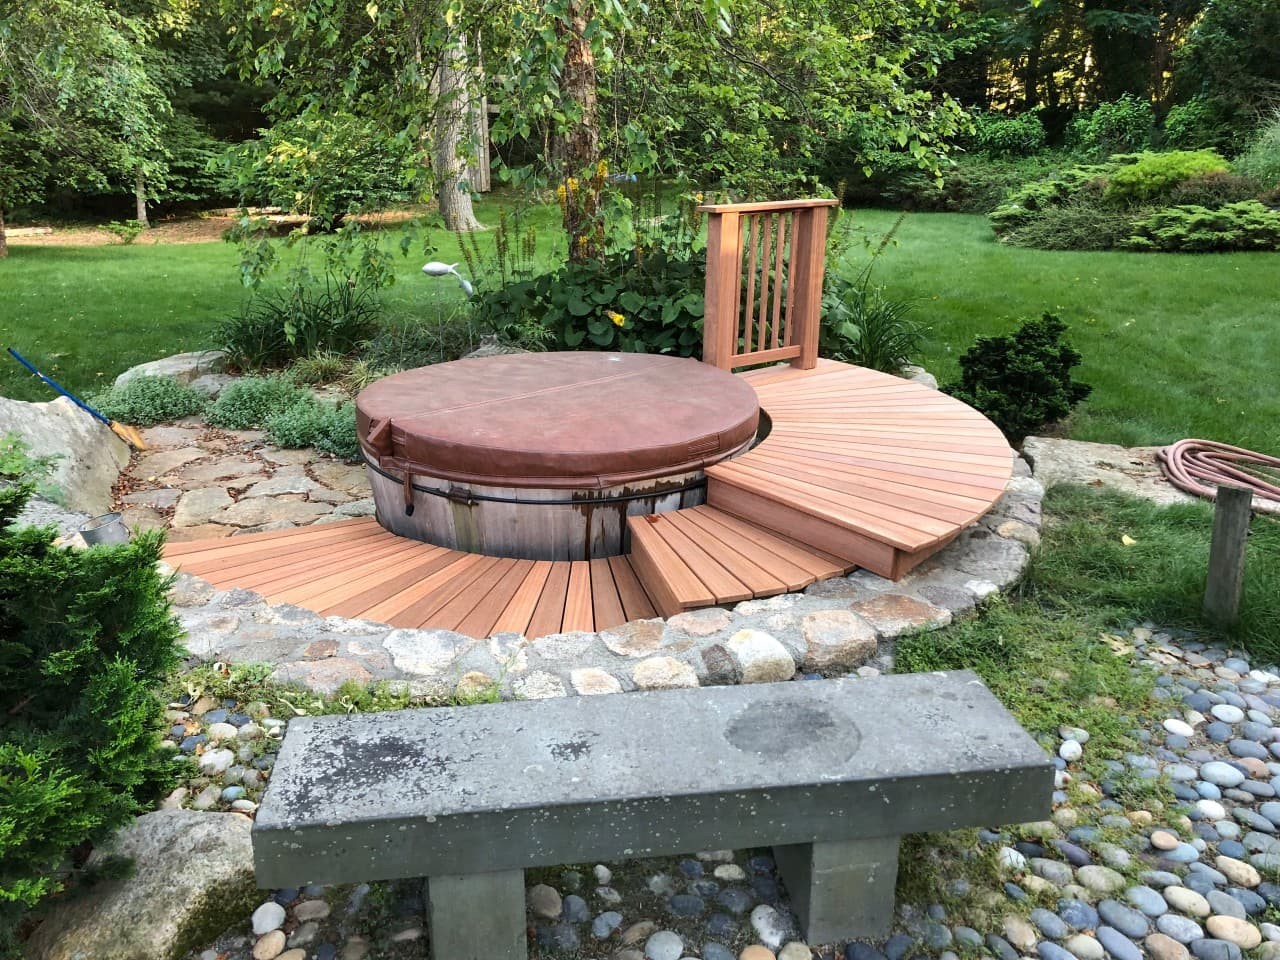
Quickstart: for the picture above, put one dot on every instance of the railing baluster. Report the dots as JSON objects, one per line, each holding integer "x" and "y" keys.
{"x": 761, "y": 317}
{"x": 750, "y": 308}
{"x": 794, "y": 234}
{"x": 783, "y": 220}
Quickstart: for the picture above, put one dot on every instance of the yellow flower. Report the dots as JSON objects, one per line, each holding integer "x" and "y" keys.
{"x": 617, "y": 318}
{"x": 602, "y": 169}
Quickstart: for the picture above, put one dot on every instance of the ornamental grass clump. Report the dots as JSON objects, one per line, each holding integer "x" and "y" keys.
{"x": 85, "y": 638}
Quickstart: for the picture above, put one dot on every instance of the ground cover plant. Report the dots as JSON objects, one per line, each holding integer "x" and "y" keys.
{"x": 1176, "y": 201}
{"x": 145, "y": 400}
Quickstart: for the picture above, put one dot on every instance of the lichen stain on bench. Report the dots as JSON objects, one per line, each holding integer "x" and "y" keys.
{"x": 777, "y": 729}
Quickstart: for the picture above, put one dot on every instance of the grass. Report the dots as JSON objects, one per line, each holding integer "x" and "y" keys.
{"x": 85, "y": 314}
{"x": 1174, "y": 345}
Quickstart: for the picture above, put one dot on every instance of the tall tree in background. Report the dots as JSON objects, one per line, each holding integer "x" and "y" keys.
{"x": 76, "y": 100}
{"x": 457, "y": 104}
{"x": 401, "y": 65}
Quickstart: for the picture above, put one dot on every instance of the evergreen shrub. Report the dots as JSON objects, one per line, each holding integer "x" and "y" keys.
{"x": 1022, "y": 382}
{"x": 1248, "y": 225}
{"x": 85, "y": 638}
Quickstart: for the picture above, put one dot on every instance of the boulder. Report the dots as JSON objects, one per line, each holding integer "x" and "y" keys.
{"x": 1130, "y": 470}
{"x": 183, "y": 367}
{"x": 193, "y": 878}
{"x": 919, "y": 375}
{"x": 90, "y": 456}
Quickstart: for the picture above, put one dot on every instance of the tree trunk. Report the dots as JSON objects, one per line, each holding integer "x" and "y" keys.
{"x": 578, "y": 148}
{"x": 452, "y": 121}
{"x": 4, "y": 242}
{"x": 140, "y": 198}
{"x": 481, "y": 181}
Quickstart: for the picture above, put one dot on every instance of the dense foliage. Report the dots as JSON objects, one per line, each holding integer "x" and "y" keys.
{"x": 308, "y": 422}
{"x": 1124, "y": 126}
{"x": 1247, "y": 225}
{"x": 646, "y": 296}
{"x": 245, "y": 404}
{"x": 1261, "y": 159}
{"x": 1178, "y": 201}
{"x": 1022, "y": 382}
{"x": 861, "y": 324}
{"x": 326, "y": 167}
{"x": 299, "y": 318}
{"x": 1151, "y": 176}
{"x": 85, "y": 637}
{"x": 997, "y": 135}
{"x": 145, "y": 400}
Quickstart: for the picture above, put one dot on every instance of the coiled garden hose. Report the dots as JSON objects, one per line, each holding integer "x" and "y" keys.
{"x": 1199, "y": 466}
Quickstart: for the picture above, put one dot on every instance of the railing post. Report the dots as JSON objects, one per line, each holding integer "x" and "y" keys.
{"x": 724, "y": 273}
{"x": 809, "y": 262}
{"x": 1231, "y": 515}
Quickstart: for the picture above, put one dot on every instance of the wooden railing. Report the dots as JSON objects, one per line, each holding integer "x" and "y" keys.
{"x": 764, "y": 282}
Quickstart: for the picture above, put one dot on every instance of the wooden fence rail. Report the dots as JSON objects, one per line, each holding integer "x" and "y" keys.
{"x": 764, "y": 282}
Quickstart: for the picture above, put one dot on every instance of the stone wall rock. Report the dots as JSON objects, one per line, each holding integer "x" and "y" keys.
{"x": 183, "y": 367}
{"x": 838, "y": 627}
{"x": 193, "y": 876}
{"x": 90, "y": 456}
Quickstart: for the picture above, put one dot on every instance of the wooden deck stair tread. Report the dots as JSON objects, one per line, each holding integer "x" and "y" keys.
{"x": 690, "y": 555}
{"x": 861, "y": 461}
{"x": 858, "y": 469}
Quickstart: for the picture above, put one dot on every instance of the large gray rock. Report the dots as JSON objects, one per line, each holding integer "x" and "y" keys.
{"x": 90, "y": 456}
{"x": 193, "y": 877}
{"x": 1131, "y": 470}
{"x": 183, "y": 367}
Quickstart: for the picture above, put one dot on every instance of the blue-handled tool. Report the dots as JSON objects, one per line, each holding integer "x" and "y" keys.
{"x": 128, "y": 434}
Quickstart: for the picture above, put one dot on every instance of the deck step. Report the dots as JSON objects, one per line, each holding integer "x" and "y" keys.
{"x": 869, "y": 468}
{"x": 701, "y": 556}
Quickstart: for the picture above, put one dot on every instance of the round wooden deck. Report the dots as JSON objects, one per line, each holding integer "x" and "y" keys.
{"x": 860, "y": 469}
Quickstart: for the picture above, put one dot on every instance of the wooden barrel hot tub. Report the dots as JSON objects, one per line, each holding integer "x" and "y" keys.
{"x": 543, "y": 456}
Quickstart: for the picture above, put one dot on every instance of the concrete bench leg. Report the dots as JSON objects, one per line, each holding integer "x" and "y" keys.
{"x": 477, "y": 916}
{"x": 841, "y": 890}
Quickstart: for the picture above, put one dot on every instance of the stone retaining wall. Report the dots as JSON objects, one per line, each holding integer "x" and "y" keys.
{"x": 847, "y": 624}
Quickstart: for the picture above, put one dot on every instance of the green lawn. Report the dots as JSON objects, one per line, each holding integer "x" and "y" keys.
{"x": 1174, "y": 345}
{"x": 84, "y": 314}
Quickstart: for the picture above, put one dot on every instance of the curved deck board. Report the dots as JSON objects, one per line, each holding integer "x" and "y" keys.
{"x": 859, "y": 469}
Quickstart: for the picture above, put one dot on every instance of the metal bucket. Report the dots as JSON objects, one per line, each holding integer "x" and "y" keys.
{"x": 106, "y": 529}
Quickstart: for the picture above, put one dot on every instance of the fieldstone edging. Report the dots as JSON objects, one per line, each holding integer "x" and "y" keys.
{"x": 835, "y": 627}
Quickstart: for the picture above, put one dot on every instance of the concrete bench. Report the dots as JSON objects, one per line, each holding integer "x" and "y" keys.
{"x": 829, "y": 772}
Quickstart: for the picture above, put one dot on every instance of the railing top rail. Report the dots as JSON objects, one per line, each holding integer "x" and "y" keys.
{"x": 767, "y": 206}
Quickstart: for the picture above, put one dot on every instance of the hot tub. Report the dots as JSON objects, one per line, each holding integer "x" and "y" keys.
{"x": 543, "y": 456}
